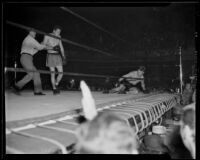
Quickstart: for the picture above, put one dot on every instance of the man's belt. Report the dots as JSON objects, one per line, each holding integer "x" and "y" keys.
{"x": 57, "y": 49}
{"x": 54, "y": 53}
{"x": 27, "y": 53}
{"x": 58, "y": 52}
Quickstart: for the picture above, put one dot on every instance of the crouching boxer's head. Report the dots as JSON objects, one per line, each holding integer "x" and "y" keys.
{"x": 141, "y": 70}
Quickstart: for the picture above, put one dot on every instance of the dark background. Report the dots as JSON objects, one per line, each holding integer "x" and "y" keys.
{"x": 152, "y": 37}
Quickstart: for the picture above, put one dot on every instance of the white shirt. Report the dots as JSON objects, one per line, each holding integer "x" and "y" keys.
{"x": 133, "y": 74}
{"x": 30, "y": 45}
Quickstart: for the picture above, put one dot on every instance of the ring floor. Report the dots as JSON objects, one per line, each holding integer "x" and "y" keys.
{"x": 53, "y": 136}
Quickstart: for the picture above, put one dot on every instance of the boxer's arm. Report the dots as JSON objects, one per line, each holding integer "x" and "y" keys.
{"x": 62, "y": 49}
{"x": 37, "y": 45}
{"x": 143, "y": 85}
{"x": 124, "y": 76}
{"x": 45, "y": 42}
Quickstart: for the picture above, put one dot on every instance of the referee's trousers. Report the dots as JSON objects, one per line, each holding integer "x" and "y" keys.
{"x": 27, "y": 63}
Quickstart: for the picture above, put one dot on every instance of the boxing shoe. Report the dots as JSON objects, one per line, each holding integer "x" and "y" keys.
{"x": 16, "y": 90}
{"x": 56, "y": 91}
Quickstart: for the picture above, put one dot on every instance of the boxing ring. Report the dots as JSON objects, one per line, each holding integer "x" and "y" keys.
{"x": 47, "y": 124}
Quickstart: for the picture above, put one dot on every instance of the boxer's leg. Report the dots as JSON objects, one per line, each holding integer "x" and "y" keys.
{"x": 52, "y": 69}
{"x": 60, "y": 75}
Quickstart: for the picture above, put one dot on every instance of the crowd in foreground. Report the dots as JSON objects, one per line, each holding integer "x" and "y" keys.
{"x": 107, "y": 133}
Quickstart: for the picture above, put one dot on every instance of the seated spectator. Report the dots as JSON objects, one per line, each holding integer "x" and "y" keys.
{"x": 176, "y": 146}
{"x": 187, "y": 94}
{"x": 193, "y": 80}
{"x": 103, "y": 133}
{"x": 181, "y": 141}
{"x": 194, "y": 96}
{"x": 177, "y": 111}
{"x": 106, "y": 134}
{"x": 188, "y": 130}
{"x": 154, "y": 144}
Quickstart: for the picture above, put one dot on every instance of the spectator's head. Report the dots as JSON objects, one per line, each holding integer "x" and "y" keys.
{"x": 32, "y": 33}
{"x": 57, "y": 30}
{"x": 106, "y": 134}
{"x": 103, "y": 133}
{"x": 175, "y": 144}
{"x": 188, "y": 86}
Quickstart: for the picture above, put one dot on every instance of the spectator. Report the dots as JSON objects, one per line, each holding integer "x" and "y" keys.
{"x": 104, "y": 133}
{"x": 194, "y": 96}
{"x": 187, "y": 94}
{"x": 154, "y": 144}
{"x": 188, "y": 129}
{"x": 181, "y": 141}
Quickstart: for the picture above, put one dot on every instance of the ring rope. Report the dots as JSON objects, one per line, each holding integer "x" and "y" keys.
{"x": 64, "y": 73}
{"x": 61, "y": 146}
{"x": 10, "y": 69}
{"x": 58, "y": 129}
{"x": 13, "y": 150}
{"x": 62, "y": 39}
